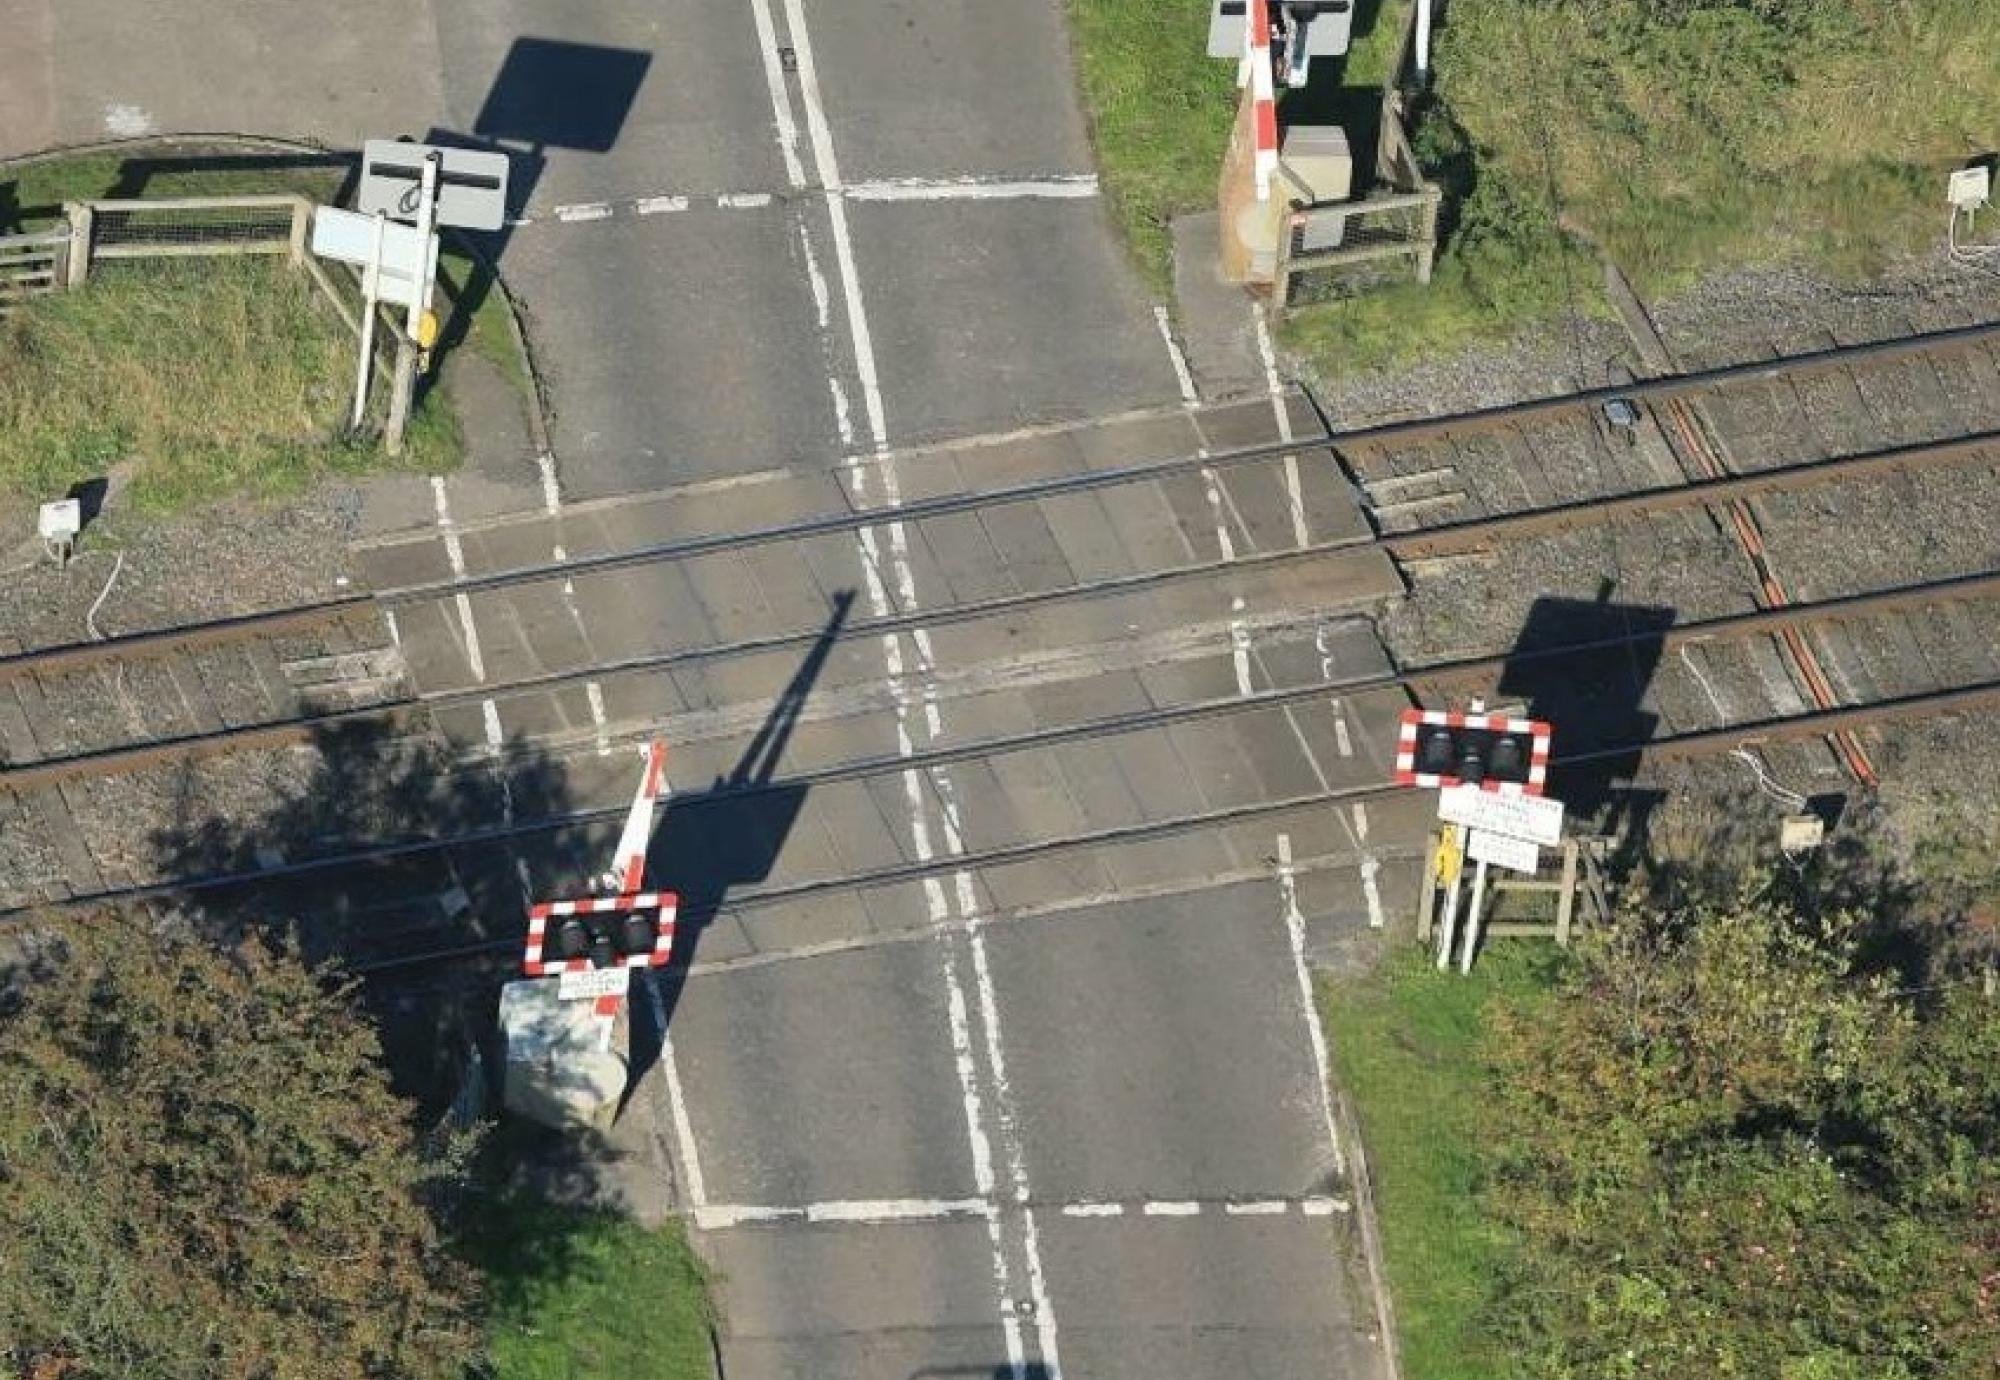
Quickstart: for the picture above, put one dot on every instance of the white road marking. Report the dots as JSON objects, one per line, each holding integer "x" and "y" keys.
{"x": 1266, "y": 1207}
{"x": 1295, "y": 933}
{"x": 1186, "y": 379}
{"x": 395, "y": 629}
{"x": 584, "y": 210}
{"x": 1239, "y": 647}
{"x": 1300, "y": 533}
{"x": 454, "y": 553}
{"x": 490, "y": 712}
{"x": 1066, "y": 187}
{"x": 697, "y": 1191}
{"x": 1343, "y": 741}
{"x": 1093, "y": 1209}
{"x": 1370, "y": 867}
{"x": 659, "y": 205}
{"x": 551, "y": 486}
{"x": 594, "y": 693}
{"x": 821, "y": 138}
{"x": 742, "y": 201}
{"x": 875, "y": 1212}
{"x": 899, "y": 1210}
{"x": 127, "y": 121}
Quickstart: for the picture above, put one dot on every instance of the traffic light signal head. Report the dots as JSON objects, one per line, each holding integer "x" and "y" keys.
{"x": 1442, "y": 748}
{"x": 600, "y": 932}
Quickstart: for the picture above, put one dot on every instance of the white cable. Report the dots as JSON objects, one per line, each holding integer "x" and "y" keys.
{"x": 1785, "y": 796}
{"x": 1702, "y": 680}
{"x": 90, "y": 618}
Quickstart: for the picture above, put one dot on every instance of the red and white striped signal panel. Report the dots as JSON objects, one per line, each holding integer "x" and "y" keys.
{"x": 1440, "y": 747}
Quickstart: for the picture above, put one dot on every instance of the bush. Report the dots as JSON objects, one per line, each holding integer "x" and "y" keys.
{"x": 203, "y": 1174}
{"x": 1733, "y": 1149}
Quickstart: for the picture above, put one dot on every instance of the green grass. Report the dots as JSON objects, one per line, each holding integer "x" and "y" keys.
{"x": 1677, "y": 138}
{"x": 586, "y": 1295}
{"x": 1160, "y": 110}
{"x": 32, "y": 194}
{"x": 212, "y": 378}
{"x": 1406, "y": 1049}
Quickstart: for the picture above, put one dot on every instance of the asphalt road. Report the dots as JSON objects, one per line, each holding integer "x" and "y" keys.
{"x": 1061, "y": 1115}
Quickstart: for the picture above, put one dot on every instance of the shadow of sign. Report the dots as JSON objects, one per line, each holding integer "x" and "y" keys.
{"x": 1595, "y": 700}
{"x": 728, "y": 836}
{"x": 548, "y": 94}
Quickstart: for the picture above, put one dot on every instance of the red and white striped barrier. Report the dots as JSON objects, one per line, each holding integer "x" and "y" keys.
{"x": 1264, "y": 101}
{"x": 665, "y": 902}
{"x": 1539, "y": 734}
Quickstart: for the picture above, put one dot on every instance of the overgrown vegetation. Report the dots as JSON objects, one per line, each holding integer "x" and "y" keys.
{"x": 1742, "y": 1132}
{"x": 578, "y": 1294}
{"x": 1678, "y": 136}
{"x": 204, "y": 1175}
{"x": 212, "y": 378}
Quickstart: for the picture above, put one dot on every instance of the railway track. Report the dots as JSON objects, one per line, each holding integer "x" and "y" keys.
{"x": 1444, "y": 539}
{"x": 1711, "y": 489}
{"x": 1473, "y": 672}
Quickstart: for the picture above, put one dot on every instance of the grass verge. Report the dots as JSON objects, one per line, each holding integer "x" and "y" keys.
{"x": 575, "y": 1294}
{"x": 1680, "y": 138}
{"x": 1159, "y": 108}
{"x": 1406, "y": 1045}
{"x": 212, "y": 378}
{"x": 32, "y": 193}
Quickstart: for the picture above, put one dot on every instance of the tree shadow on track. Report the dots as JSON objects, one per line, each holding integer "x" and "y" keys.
{"x": 377, "y": 787}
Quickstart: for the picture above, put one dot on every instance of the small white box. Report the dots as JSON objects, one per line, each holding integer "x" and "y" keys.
{"x": 61, "y": 520}
{"x": 1969, "y": 188}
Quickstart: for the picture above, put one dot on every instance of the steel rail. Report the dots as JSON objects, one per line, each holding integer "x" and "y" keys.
{"x": 111, "y": 761}
{"x": 1807, "y": 725}
{"x": 73, "y": 656}
{"x": 1671, "y": 385}
{"x": 1812, "y": 725}
{"x": 1433, "y": 541}
{"x": 77, "y": 656}
{"x": 1476, "y": 533}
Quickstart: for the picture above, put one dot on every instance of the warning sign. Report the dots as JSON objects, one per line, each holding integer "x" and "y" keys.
{"x": 594, "y": 982}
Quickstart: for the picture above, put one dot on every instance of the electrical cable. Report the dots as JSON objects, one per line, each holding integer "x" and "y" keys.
{"x": 90, "y": 618}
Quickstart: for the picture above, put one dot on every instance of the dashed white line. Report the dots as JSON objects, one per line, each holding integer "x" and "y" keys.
{"x": 1080, "y": 185}
{"x": 551, "y": 486}
{"x": 594, "y": 693}
{"x": 1265, "y": 1207}
{"x": 659, "y": 205}
{"x": 454, "y": 553}
{"x": 1295, "y": 934}
{"x": 1324, "y": 1207}
{"x": 1343, "y": 740}
{"x": 1239, "y": 646}
{"x": 898, "y": 1210}
{"x": 1093, "y": 1209}
{"x": 1170, "y": 1208}
{"x": 742, "y": 201}
{"x": 584, "y": 210}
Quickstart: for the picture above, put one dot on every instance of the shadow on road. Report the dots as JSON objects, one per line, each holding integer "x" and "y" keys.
{"x": 728, "y": 836}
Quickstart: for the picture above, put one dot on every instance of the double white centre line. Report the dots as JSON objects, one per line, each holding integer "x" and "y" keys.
{"x": 965, "y": 1050}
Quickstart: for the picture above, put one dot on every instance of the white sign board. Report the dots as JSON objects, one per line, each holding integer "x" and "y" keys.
{"x": 350, "y": 238}
{"x": 1536, "y": 818}
{"x": 1516, "y": 855}
{"x": 594, "y": 982}
{"x": 471, "y": 187}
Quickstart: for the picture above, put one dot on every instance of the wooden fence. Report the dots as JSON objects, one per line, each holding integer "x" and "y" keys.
{"x": 110, "y": 231}
{"x": 1396, "y": 220}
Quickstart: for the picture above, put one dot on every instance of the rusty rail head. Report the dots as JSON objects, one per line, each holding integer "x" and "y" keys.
{"x": 1457, "y": 537}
